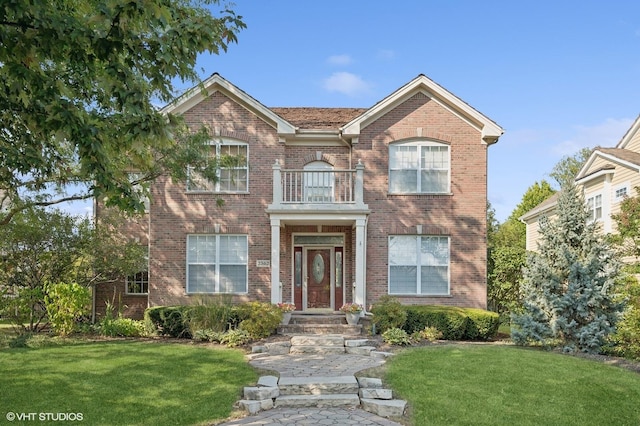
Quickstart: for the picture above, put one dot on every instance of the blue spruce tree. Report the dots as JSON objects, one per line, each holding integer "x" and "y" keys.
{"x": 568, "y": 286}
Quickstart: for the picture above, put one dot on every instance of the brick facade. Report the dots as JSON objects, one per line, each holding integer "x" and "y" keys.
{"x": 176, "y": 213}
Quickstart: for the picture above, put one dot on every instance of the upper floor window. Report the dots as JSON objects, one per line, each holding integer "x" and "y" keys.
{"x": 420, "y": 167}
{"x": 594, "y": 206}
{"x": 621, "y": 192}
{"x": 232, "y": 159}
{"x": 319, "y": 181}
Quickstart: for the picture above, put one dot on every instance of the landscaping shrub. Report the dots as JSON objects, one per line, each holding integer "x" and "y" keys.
{"x": 167, "y": 321}
{"x": 396, "y": 336}
{"x": 235, "y": 337}
{"x": 66, "y": 303}
{"x": 214, "y": 313}
{"x": 454, "y": 323}
{"x": 388, "y": 313}
{"x": 121, "y": 327}
{"x": 259, "y": 319}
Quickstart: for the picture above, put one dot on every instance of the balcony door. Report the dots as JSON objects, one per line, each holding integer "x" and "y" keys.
{"x": 319, "y": 181}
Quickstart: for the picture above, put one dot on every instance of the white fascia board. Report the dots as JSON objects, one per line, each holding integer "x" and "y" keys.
{"x": 490, "y": 130}
{"x": 635, "y": 127}
{"x": 198, "y": 93}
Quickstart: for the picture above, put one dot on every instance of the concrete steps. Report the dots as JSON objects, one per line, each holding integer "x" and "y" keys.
{"x": 318, "y": 391}
{"x": 319, "y": 324}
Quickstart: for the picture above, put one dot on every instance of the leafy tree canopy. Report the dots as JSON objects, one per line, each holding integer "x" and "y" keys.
{"x": 566, "y": 170}
{"x": 80, "y": 79}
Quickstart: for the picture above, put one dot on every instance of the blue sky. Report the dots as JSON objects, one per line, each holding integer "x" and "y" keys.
{"x": 556, "y": 75}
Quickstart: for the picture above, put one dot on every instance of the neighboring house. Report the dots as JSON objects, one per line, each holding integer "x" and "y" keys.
{"x": 331, "y": 205}
{"x": 608, "y": 176}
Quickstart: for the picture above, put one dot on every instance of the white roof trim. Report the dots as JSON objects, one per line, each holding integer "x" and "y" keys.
{"x": 582, "y": 174}
{"x": 635, "y": 127}
{"x": 216, "y": 82}
{"x": 489, "y": 129}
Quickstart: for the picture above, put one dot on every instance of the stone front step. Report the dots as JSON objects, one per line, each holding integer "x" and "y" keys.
{"x": 325, "y": 350}
{"x": 345, "y": 329}
{"x": 320, "y": 401}
{"x": 318, "y": 385}
{"x": 324, "y": 340}
{"x": 317, "y": 319}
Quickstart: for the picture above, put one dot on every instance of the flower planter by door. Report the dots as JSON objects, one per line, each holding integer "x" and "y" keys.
{"x": 286, "y": 317}
{"x": 352, "y": 317}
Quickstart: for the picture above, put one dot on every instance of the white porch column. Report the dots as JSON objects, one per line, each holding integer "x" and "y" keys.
{"x": 360, "y": 291}
{"x": 275, "y": 261}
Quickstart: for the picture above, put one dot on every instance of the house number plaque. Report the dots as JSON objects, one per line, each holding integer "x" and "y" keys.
{"x": 263, "y": 263}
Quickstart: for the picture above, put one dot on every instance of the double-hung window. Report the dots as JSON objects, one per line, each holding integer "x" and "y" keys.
{"x": 418, "y": 264}
{"x": 138, "y": 283}
{"x": 217, "y": 263}
{"x": 594, "y": 207}
{"x": 419, "y": 167}
{"x": 232, "y": 171}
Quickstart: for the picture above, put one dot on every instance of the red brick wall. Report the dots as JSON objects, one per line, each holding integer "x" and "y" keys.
{"x": 175, "y": 213}
{"x": 460, "y": 215}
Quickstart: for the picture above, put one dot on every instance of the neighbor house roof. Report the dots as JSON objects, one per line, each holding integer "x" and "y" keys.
{"x": 544, "y": 207}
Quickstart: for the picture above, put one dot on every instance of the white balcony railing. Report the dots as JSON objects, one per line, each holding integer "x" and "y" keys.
{"x": 317, "y": 186}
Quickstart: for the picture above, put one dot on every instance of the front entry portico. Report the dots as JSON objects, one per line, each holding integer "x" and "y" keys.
{"x": 341, "y": 204}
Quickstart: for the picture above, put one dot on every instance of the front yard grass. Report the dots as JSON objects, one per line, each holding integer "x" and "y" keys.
{"x": 124, "y": 382}
{"x": 503, "y": 385}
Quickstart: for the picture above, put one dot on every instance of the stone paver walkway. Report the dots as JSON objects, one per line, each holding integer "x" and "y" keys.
{"x": 313, "y": 416}
{"x": 308, "y": 365}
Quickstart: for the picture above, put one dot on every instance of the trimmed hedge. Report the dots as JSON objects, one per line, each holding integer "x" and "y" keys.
{"x": 454, "y": 323}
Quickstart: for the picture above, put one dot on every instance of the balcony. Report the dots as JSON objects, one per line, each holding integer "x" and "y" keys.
{"x": 317, "y": 190}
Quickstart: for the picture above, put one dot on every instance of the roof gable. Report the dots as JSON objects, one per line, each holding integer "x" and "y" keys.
{"x": 490, "y": 130}
{"x": 216, "y": 83}
{"x": 617, "y": 156}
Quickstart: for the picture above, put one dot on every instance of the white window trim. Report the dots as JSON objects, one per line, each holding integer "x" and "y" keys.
{"x": 216, "y": 188}
{"x": 419, "y": 265}
{"x": 626, "y": 186}
{"x": 420, "y": 143}
{"x": 216, "y": 284}
{"x": 591, "y": 209}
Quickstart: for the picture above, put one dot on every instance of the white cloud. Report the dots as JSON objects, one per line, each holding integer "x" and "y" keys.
{"x": 606, "y": 134}
{"x": 346, "y": 83}
{"x": 343, "y": 59}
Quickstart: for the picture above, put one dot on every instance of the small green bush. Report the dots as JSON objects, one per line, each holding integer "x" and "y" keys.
{"x": 121, "y": 327}
{"x": 235, "y": 337}
{"x": 259, "y": 319}
{"x": 431, "y": 334}
{"x": 388, "y": 313}
{"x": 167, "y": 321}
{"x": 396, "y": 336}
{"x": 66, "y": 303}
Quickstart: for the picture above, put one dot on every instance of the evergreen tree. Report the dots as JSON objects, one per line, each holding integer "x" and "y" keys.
{"x": 568, "y": 284}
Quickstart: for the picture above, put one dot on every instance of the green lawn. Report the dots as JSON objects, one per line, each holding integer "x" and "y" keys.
{"x": 124, "y": 382}
{"x": 503, "y": 385}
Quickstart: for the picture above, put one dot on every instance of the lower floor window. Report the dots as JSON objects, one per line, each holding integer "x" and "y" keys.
{"x": 418, "y": 264}
{"x": 138, "y": 283}
{"x": 217, "y": 263}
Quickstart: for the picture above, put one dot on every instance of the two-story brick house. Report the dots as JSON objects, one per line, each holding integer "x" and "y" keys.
{"x": 331, "y": 205}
